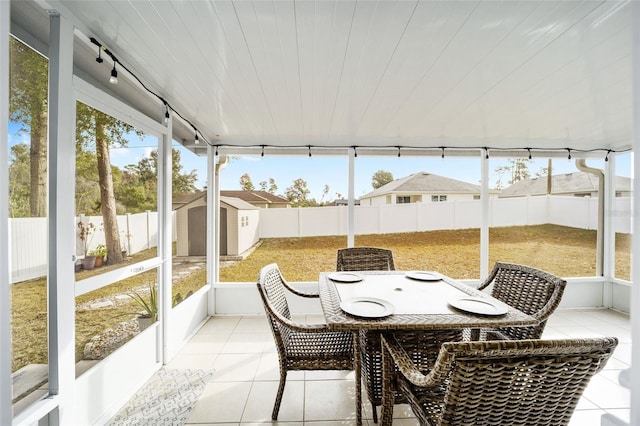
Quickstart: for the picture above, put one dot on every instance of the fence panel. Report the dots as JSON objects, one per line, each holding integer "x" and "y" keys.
{"x": 29, "y": 248}
{"x": 139, "y": 231}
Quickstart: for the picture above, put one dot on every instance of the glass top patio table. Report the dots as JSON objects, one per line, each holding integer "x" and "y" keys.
{"x": 417, "y": 305}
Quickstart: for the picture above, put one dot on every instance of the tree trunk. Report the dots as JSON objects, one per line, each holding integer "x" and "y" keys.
{"x": 38, "y": 163}
{"x": 107, "y": 197}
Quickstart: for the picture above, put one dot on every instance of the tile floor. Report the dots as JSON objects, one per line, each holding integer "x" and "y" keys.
{"x": 243, "y": 387}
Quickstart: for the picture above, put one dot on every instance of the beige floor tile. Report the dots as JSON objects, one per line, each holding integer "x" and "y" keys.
{"x": 329, "y": 400}
{"x": 244, "y": 343}
{"x": 204, "y": 344}
{"x": 262, "y": 396}
{"x": 236, "y": 367}
{"x": 219, "y": 324}
{"x": 269, "y": 370}
{"x": 187, "y": 361}
{"x": 586, "y": 418}
{"x": 253, "y": 325}
{"x": 606, "y": 394}
{"x": 221, "y": 402}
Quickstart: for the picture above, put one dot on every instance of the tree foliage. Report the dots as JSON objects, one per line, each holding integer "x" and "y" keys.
{"x": 298, "y": 194}
{"x": 270, "y": 186}
{"x": 20, "y": 181}
{"x": 516, "y": 169}
{"x": 381, "y": 178}
{"x": 139, "y": 187}
{"x": 28, "y": 106}
{"x": 245, "y": 182}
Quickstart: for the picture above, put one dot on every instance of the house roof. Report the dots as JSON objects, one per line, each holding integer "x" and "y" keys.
{"x": 569, "y": 183}
{"x": 255, "y": 196}
{"x": 424, "y": 183}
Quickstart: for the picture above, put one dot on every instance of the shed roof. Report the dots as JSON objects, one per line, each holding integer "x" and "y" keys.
{"x": 238, "y": 203}
{"x": 255, "y": 196}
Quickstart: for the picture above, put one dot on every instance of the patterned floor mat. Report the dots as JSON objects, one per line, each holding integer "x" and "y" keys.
{"x": 167, "y": 399}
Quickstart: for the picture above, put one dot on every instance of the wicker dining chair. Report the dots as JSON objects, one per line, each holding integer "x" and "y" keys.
{"x": 365, "y": 259}
{"x": 300, "y": 346}
{"x": 530, "y": 290}
{"x": 509, "y": 382}
{"x": 421, "y": 344}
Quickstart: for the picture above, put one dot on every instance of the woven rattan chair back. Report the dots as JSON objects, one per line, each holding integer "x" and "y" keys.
{"x": 524, "y": 382}
{"x": 365, "y": 259}
{"x": 299, "y": 346}
{"x": 530, "y": 290}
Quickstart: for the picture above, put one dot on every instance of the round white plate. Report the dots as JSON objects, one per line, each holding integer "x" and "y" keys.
{"x": 478, "y": 305}
{"x": 367, "y": 307}
{"x": 423, "y": 276}
{"x": 346, "y": 277}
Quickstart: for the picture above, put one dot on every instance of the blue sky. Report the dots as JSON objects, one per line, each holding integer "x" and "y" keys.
{"x": 319, "y": 171}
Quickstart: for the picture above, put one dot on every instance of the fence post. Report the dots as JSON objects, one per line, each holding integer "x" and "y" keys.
{"x": 148, "y": 231}
{"x": 129, "y": 233}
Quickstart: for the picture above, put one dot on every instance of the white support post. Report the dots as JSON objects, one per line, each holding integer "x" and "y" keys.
{"x": 5, "y": 281}
{"x": 165, "y": 233}
{"x": 213, "y": 227}
{"x": 635, "y": 238}
{"x": 485, "y": 215}
{"x": 61, "y": 172}
{"x": 351, "y": 203}
{"x": 609, "y": 232}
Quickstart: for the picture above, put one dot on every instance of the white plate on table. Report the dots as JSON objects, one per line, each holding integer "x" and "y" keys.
{"x": 423, "y": 276}
{"x": 346, "y": 277}
{"x": 478, "y": 305}
{"x": 367, "y": 307}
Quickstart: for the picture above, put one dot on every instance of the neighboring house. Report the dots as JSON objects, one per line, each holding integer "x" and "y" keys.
{"x": 343, "y": 202}
{"x": 239, "y": 225}
{"x": 578, "y": 184}
{"x": 262, "y": 199}
{"x": 421, "y": 188}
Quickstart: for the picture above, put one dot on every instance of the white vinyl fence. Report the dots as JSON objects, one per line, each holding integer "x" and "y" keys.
{"x": 29, "y": 240}
{"x": 139, "y": 231}
{"x": 577, "y": 212}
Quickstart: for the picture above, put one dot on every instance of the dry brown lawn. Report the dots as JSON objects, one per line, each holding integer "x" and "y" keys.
{"x": 568, "y": 252}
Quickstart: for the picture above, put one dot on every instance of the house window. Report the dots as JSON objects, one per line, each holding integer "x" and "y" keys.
{"x": 403, "y": 200}
{"x": 436, "y": 198}
{"x": 476, "y": 197}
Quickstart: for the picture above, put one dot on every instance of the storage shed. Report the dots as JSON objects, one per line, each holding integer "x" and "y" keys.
{"x": 239, "y": 226}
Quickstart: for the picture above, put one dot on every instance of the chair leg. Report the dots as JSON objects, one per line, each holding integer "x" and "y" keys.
{"x": 276, "y": 405}
{"x": 375, "y": 413}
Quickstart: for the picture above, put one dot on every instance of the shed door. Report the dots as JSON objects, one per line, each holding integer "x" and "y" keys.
{"x": 223, "y": 231}
{"x": 198, "y": 231}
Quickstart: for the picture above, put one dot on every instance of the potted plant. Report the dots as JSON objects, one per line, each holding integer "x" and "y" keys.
{"x": 86, "y": 236}
{"x": 149, "y": 308}
{"x": 99, "y": 252}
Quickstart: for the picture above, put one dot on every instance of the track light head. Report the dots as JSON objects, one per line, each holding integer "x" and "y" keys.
{"x": 114, "y": 75}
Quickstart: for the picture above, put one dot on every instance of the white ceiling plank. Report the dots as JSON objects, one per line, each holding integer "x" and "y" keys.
{"x": 386, "y": 73}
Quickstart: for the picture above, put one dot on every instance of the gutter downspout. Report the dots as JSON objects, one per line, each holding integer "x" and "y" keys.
{"x": 582, "y": 166}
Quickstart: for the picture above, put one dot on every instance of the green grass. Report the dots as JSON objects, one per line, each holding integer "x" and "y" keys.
{"x": 563, "y": 251}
